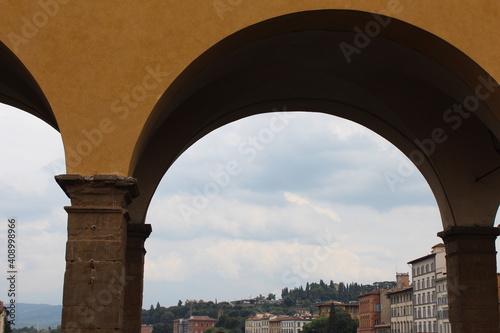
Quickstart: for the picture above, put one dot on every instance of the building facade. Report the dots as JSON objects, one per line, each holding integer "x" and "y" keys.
{"x": 384, "y": 325}
{"x": 276, "y": 324}
{"x": 195, "y": 324}
{"x": 443, "y": 322}
{"x": 145, "y": 329}
{"x": 258, "y": 324}
{"x": 369, "y": 311}
{"x": 351, "y": 308}
{"x": 401, "y": 310}
{"x": 293, "y": 324}
{"x": 424, "y": 272}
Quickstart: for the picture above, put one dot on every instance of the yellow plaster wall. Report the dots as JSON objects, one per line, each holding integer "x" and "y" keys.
{"x": 88, "y": 55}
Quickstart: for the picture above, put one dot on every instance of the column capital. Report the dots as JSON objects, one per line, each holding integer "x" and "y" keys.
{"x": 99, "y": 190}
{"x": 452, "y": 232}
{"x": 139, "y": 230}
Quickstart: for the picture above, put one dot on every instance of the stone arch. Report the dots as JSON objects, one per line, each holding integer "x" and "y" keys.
{"x": 422, "y": 94}
{"x": 402, "y": 82}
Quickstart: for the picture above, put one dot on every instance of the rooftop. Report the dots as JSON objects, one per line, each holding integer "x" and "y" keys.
{"x": 422, "y": 258}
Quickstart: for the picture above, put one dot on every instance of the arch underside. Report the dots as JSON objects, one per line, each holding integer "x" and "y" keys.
{"x": 395, "y": 90}
{"x": 19, "y": 89}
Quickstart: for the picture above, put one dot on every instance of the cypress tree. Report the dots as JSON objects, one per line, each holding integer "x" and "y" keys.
{"x": 332, "y": 324}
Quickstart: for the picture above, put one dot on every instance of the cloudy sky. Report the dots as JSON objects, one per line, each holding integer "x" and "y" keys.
{"x": 267, "y": 202}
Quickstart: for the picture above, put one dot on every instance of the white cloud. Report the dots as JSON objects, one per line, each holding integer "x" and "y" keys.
{"x": 301, "y": 201}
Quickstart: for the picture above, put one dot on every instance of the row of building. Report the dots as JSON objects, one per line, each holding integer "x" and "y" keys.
{"x": 420, "y": 307}
{"x": 267, "y": 323}
{"x": 416, "y": 308}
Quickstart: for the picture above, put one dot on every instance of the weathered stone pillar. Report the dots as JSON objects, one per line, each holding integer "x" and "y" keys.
{"x": 472, "y": 280}
{"x": 136, "y": 236}
{"x": 94, "y": 282}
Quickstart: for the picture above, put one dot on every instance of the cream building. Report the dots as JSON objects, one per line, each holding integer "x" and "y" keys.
{"x": 443, "y": 321}
{"x": 401, "y": 310}
{"x": 258, "y": 324}
{"x": 424, "y": 272}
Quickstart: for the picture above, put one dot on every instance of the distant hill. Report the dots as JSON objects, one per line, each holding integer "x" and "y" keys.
{"x": 43, "y": 315}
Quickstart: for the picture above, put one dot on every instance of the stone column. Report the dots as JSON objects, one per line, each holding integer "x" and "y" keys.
{"x": 94, "y": 282}
{"x": 472, "y": 279}
{"x": 136, "y": 236}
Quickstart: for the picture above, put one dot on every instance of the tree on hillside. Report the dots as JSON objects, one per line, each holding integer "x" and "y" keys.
{"x": 318, "y": 325}
{"x": 234, "y": 325}
{"x": 288, "y": 301}
{"x": 332, "y": 325}
{"x": 271, "y": 297}
{"x": 340, "y": 323}
{"x": 162, "y": 328}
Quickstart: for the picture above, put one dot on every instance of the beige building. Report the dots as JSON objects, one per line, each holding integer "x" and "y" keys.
{"x": 401, "y": 310}
{"x": 293, "y": 324}
{"x": 424, "y": 271}
{"x": 351, "y": 308}
{"x": 276, "y": 324}
{"x": 258, "y": 324}
{"x": 443, "y": 322}
{"x": 384, "y": 326}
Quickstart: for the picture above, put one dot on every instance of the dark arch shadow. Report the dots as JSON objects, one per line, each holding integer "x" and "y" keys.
{"x": 18, "y": 88}
{"x": 399, "y": 85}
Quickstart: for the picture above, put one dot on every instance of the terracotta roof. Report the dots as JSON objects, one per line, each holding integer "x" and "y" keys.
{"x": 338, "y": 303}
{"x": 374, "y": 292}
{"x": 422, "y": 258}
{"x": 399, "y": 290}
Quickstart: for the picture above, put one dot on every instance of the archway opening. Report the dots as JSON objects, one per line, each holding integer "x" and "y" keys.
{"x": 32, "y": 154}
{"x": 281, "y": 199}
{"x": 404, "y": 90}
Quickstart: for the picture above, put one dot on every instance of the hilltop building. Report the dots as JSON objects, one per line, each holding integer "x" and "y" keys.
{"x": 351, "y": 308}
